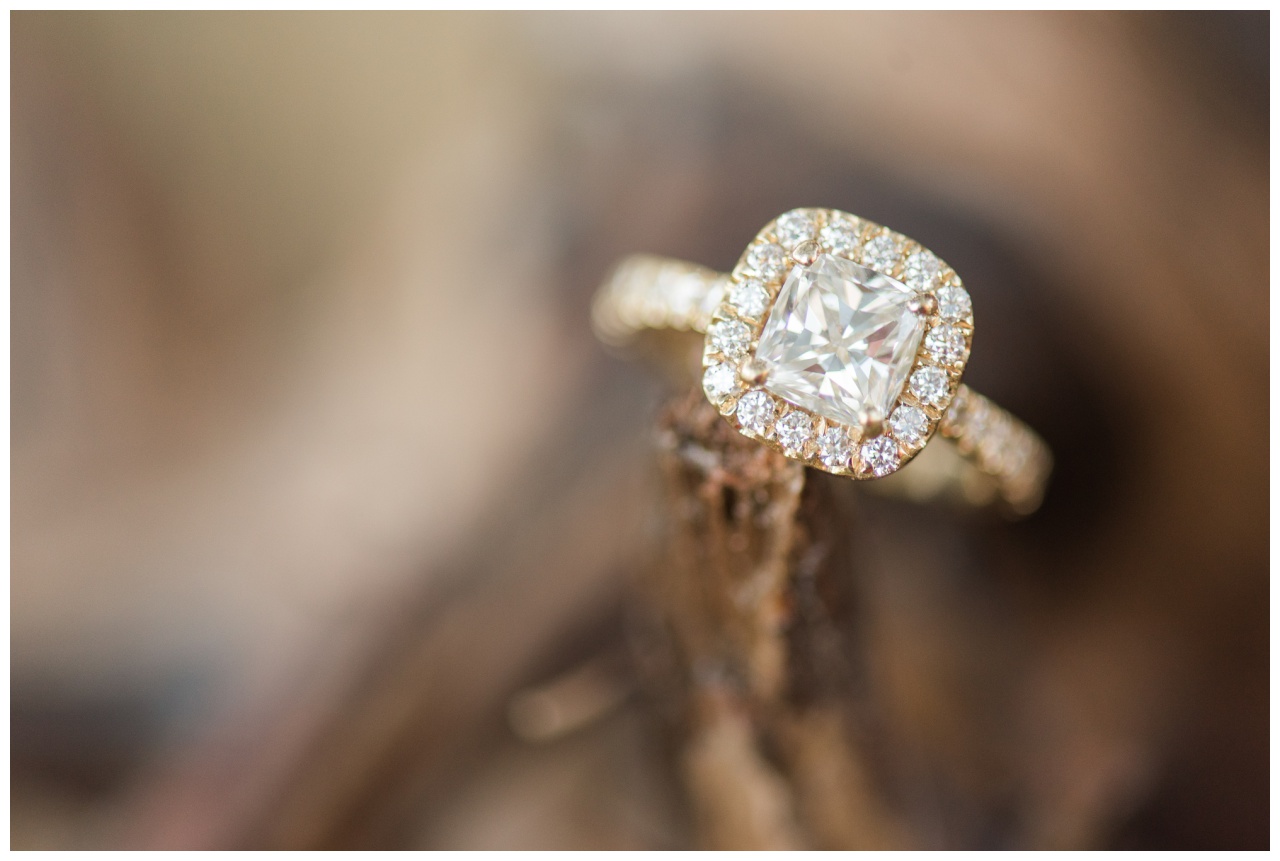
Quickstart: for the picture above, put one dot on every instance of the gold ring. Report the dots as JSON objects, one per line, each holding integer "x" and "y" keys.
{"x": 841, "y": 344}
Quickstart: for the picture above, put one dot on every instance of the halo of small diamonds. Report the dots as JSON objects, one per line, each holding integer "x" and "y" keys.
{"x": 909, "y": 424}
{"x": 953, "y": 303}
{"x": 800, "y": 433}
{"x": 794, "y": 227}
{"x": 840, "y": 237}
{"x": 945, "y": 343}
{"x": 880, "y": 455}
{"x": 749, "y": 299}
{"x": 731, "y": 337}
{"x": 930, "y": 385}
{"x": 835, "y": 448}
{"x": 921, "y": 271}
{"x": 794, "y": 429}
{"x": 768, "y": 259}
{"x": 755, "y": 412}
{"x": 882, "y": 252}
{"x": 719, "y": 381}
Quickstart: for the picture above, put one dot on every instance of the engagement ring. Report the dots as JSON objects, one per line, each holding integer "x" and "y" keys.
{"x": 841, "y": 344}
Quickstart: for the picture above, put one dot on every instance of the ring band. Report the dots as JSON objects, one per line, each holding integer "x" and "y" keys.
{"x": 841, "y": 344}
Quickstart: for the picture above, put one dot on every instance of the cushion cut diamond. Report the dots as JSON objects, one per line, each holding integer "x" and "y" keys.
{"x": 840, "y": 339}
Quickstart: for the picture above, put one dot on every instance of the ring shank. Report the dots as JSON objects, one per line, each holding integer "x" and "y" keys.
{"x": 1001, "y": 459}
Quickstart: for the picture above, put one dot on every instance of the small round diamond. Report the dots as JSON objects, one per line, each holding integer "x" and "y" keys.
{"x": 881, "y": 253}
{"x": 921, "y": 271}
{"x": 793, "y": 228}
{"x": 749, "y": 298}
{"x": 768, "y": 259}
{"x": 718, "y": 381}
{"x": 755, "y": 411}
{"x": 794, "y": 430}
{"x": 834, "y": 448}
{"x": 930, "y": 385}
{"x": 953, "y": 303}
{"x": 909, "y": 424}
{"x": 731, "y": 337}
{"x": 881, "y": 455}
{"x": 840, "y": 237}
{"x": 945, "y": 343}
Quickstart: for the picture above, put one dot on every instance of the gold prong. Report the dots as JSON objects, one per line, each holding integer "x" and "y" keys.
{"x": 752, "y": 370}
{"x": 806, "y": 252}
{"x": 872, "y": 423}
{"x": 924, "y": 304}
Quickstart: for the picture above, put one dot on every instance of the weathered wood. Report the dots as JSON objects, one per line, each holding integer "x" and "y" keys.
{"x": 842, "y": 672}
{"x": 751, "y": 590}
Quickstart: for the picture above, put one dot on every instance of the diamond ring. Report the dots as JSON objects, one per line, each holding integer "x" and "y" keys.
{"x": 839, "y": 343}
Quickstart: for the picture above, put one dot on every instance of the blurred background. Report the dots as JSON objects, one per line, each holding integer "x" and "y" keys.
{"x": 316, "y": 463}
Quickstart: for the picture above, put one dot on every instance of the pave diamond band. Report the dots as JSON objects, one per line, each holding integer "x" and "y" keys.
{"x": 646, "y": 292}
{"x": 838, "y": 343}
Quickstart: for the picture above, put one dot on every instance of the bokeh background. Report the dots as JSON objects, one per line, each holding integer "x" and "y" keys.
{"x": 303, "y": 381}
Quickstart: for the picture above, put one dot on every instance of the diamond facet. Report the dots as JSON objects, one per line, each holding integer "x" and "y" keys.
{"x": 768, "y": 259}
{"x": 834, "y": 447}
{"x": 881, "y": 253}
{"x": 731, "y": 337}
{"x": 909, "y": 424}
{"x": 945, "y": 343}
{"x": 881, "y": 455}
{"x": 718, "y": 381}
{"x": 953, "y": 303}
{"x": 841, "y": 237}
{"x": 930, "y": 385}
{"x": 920, "y": 271}
{"x": 750, "y": 298}
{"x": 840, "y": 340}
{"x": 755, "y": 411}
{"x": 794, "y": 430}
{"x": 794, "y": 227}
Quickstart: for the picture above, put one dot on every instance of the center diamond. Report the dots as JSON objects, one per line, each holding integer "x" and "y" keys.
{"x": 840, "y": 339}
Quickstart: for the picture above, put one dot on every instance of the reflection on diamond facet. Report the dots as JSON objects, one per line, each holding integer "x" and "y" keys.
{"x": 930, "y": 385}
{"x": 719, "y": 381}
{"x": 953, "y": 303}
{"x": 755, "y": 411}
{"x": 945, "y": 343}
{"x": 881, "y": 253}
{"x": 840, "y": 237}
{"x": 835, "y": 448}
{"x": 920, "y": 271}
{"x": 794, "y": 227}
{"x": 881, "y": 454}
{"x": 749, "y": 298}
{"x": 769, "y": 260}
{"x": 794, "y": 430}
{"x": 909, "y": 424}
{"x": 731, "y": 337}
{"x": 840, "y": 339}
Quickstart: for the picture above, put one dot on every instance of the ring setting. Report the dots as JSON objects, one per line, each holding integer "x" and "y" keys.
{"x": 841, "y": 344}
